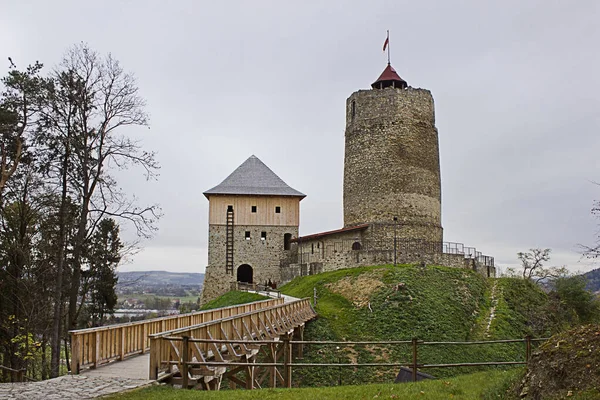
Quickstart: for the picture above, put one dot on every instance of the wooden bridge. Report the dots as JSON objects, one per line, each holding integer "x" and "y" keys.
{"x": 182, "y": 347}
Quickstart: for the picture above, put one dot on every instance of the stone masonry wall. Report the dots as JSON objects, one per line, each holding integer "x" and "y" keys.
{"x": 391, "y": 165}
{"x": 262, "y": 255}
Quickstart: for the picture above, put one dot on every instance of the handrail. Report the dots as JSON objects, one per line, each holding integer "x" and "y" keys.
{"x": 172, "y": 348}
{"x": 21, "y": 377}
{"x": 216, "y": 362}
{"x": 92, "y": 347}
{"x": 255, "y": 287}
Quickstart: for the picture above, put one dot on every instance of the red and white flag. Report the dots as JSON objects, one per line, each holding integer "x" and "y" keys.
{"x": 387, "y": 41}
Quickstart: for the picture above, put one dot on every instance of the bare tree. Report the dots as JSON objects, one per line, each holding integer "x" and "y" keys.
{"x": 594, "y": 250}
{"x": 533, "y": 261}
{"x": 93, "y": 102}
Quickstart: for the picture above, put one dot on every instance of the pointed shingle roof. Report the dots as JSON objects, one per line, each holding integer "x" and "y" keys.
{"x": 253, "y": 177}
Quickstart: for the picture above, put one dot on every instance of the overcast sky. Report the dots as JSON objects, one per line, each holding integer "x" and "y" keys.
{"x": 516, "y": 86}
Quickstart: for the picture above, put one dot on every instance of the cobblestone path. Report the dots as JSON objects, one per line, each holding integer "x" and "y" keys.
{"x": 69, "y": 387}
{"x": 109, "y": 379}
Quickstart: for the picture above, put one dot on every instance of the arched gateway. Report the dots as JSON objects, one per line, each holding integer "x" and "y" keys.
{"x": 244, "y": 273}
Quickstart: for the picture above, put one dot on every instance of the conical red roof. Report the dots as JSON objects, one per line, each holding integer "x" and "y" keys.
{"x": 389, "y": 77}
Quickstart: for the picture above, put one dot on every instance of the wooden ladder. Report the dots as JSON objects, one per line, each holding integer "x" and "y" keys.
{"x": 229, "y": 242}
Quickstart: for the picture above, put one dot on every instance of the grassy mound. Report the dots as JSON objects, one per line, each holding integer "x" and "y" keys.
{"x": 233, "y": 298}
{"x": 404, "y": 302}
{"x": 567, "y": 365}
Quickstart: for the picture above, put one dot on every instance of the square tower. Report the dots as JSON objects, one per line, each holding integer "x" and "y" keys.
{"x": 253, "y": 215}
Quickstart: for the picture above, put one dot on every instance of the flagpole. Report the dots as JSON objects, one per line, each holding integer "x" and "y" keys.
{"x": 388, "y": 45}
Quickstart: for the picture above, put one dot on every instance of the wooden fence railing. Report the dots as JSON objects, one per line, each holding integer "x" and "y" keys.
{"x": 172, "y": 348}
{"x": 93, "y": 347}
{"x": 190, "y": 358}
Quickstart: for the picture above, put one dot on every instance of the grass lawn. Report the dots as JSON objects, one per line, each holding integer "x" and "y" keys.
{"x": 481, "y": 385}
{"x": 233, "y": 298}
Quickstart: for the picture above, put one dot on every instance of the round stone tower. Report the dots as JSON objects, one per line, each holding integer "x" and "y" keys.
{"x": 392, "y": 163}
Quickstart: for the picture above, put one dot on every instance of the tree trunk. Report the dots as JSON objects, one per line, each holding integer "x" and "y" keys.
{"x": 62, "y": 235}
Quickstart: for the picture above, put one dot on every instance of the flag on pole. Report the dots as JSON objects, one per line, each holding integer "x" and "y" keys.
{"x": 387, "y": 41}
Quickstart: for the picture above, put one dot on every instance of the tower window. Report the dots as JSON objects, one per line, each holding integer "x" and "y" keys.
{"x": 230, "y": 208}
{"x": 277, "y": 210}
{"x": 247, "y": 235}
{"x": 286, "y": 241}
{"x": 263, "y": 236}
{"x": 253, "y": 209}
{"x": 312, "y": 248}
{"x": 353, "y": 109}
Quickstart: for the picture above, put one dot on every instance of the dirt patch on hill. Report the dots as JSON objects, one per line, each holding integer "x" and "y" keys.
{"x": 565, "y": 365}
{"x": 358, "y": 289}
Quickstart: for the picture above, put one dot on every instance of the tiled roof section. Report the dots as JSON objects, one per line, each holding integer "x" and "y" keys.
{"x": 321, "y": 234}
{"x": 389, "y": 74}
{"x": 253, "y": 177}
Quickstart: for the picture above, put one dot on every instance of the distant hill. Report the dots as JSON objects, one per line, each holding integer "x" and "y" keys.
{"x": 593, "y": 278}
{"x": 160, "y": 278}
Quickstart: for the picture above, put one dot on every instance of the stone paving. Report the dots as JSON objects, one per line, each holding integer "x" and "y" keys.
{"x": 113, "y": 378}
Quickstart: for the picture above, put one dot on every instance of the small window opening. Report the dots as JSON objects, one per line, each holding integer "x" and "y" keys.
{"x": 277, "y": 210}
{"x": 319, "y": 245}
{"x": 247, "y": 235}
{"x": 263, "y": 236}
{"x": 356, "y": 246}
{"x": 353, "y": 109}
{"x": 229, "y": 208}
{"x": 312, "y": 248}
{"x": 287, "y": 238}
{"x": 253, "y": 209}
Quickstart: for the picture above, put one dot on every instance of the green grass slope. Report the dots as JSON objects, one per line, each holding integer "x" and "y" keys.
{"x": 400, "y": 303}
{"x": 233, "y": 298}
{"x": 476, "y": 386}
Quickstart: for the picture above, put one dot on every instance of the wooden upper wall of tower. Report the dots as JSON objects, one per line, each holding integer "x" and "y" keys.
{"x": 256, "y": 195}
{"x": 255, "y": 210}
{"x": 389, "y": 78}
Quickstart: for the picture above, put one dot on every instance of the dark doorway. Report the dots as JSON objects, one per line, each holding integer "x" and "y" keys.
{"x": 286, "y": 241}
{"x": 244, "y": 273}
{"x": 356, "y": 246}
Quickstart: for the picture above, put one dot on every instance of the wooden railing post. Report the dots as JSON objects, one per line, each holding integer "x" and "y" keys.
{"x": 287, "y": 360}
{"x": 414, "y": 359}
{"x": 96, "y": 357}
{"x": 144, "y": 338}
{"x": 122, "y": 344}
{"x": 75, "y": 354}
{"x": 154, "y": 358}
{"x": 527, "y": 350}
{"x": 184, "y": 362}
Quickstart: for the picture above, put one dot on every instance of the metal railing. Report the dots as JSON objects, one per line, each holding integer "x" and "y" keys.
{"x": 317, "y": 252}
{"x": 255, "y": 287}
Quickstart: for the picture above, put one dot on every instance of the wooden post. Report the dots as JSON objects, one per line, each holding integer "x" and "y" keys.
{"x": 184, "y": 362}
{"x": 273, "y": 370}
{"x": 154, "y": 358}
{"x": 144, "y": 338}
{"x": 414, "y": 359}
{"x": 75, "y": 354}
{"x": 250, "y": 374}
{"x": 299, "y": 335}
{"x": 287, "y": 360}
{"x": 96, "y": 349}
{"x": 122, "y": 344}
{"x": 527, "y": 349}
